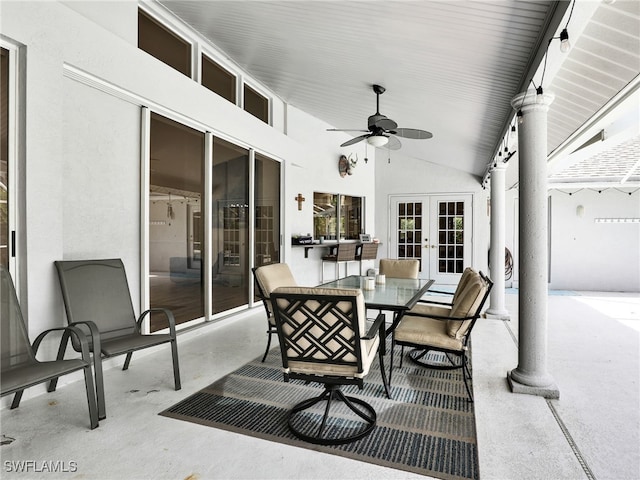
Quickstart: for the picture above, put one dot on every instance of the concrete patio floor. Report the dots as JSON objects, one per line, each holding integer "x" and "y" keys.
{"x": 592, "y": 431}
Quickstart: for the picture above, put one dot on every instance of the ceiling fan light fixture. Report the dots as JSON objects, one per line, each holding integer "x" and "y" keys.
{"x": 377, "y": 140}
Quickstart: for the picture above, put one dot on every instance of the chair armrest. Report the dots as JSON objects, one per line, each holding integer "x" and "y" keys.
{"x": 441, "y": 317}
{"x": 377, "y": 325}
{"x": 94, "y": 335}
{"x": 440, "y": 291}
{"x": 171, "y": 320}
{"x": 433, "y": 302}
{"x": 70, "y": 330}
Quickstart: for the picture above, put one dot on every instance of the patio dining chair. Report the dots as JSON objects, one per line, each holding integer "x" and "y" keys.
{"x": 448, "y": 333}
{"x": 268, "y": 278}
{"x": 19, "y": 367}
{"x": 97, "y": 299}
{"x": 324, "y": 338}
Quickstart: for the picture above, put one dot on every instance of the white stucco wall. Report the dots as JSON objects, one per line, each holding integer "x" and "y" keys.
{"x": 82, "y": 169}
{"x": 406, "y": 176}
{"x": 317, "y": 171}
{"x": 586, "y": 255}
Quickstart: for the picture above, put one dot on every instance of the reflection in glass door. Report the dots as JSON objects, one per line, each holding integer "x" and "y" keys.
{"x": 230, "y": 226}
{"x": 176, "y": 190}
{"x": 267, "y": 212}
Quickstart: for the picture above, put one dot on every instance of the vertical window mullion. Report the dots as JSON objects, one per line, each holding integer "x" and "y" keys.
{"x": 145, "y": 168}
{"x": 207, "y": 207}
{"x": 252, "y": 218}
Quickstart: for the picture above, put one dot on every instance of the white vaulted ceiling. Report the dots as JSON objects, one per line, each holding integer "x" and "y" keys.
{"x": 449, "y": 66}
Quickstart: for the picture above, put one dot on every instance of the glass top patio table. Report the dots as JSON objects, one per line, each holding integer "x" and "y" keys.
{"x": 396, "y": 294}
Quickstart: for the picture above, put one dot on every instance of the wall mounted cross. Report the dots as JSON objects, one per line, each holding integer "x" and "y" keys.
{"x": 299, "y": 199}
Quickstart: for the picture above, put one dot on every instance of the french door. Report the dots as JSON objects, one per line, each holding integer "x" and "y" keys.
{"x": 434, "y": 229}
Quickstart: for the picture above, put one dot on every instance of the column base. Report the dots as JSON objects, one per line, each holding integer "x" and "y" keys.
{"x": 497, "y": 314}
{"x": 547, "y": 391}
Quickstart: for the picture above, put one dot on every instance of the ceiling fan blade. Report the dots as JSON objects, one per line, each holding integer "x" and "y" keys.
{"x": 412, "y": 133}
{"x": 354, "y": 140}
{"x": 345, "y": 130}
{"x": 394, "y": 143}
{"x": 385, "y": 123}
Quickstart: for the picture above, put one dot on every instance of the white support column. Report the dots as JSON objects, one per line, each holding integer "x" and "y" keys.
{"x": 531, "y": 375}
{"x": 496, "y": 252}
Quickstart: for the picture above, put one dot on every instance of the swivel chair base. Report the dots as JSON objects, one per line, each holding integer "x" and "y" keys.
{"x": 322, "y": 434}
{"x": 419, "y": 357}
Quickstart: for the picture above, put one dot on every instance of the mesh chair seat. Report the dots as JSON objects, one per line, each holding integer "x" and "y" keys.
{"x": 118, "y": 346}
{"x": 29, "y": 375}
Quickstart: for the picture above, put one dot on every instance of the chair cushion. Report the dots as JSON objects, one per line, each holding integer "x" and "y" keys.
{"x": 422, "y": 309}
{"x": 271, "y": 277}
{"x": 467, "y": 275}
{"x": 465, "y": 306}
{"x": 399, "y": 268}
{"x": 426, "y": 331}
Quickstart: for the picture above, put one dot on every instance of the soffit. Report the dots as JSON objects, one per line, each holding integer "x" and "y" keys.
{"x": 451, "y": 68}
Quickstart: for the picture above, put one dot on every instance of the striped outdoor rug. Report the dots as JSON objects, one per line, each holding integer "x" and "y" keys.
{"x": 427, "y": 428}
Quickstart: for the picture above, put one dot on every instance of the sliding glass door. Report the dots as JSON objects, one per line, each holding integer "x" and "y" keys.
{"x": 212, "y": 217}
{"x": 176, "y": 190}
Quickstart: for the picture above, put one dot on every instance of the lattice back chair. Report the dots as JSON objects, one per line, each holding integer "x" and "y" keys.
{"x": 448, "y": 334}
{"x": 324, "y": 338}
{"x": 402, "y": 268}
{"x": 345, "y": 253}
{"x": 268, "y": 278}
{"x": 19, "y": 367}
{"x": 97, "y": 298}
{"x": 368, "y": 251}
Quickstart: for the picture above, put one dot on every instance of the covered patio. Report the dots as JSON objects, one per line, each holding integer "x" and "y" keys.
{"x": 591, "y": 432}
{"x": 86, "y": 100}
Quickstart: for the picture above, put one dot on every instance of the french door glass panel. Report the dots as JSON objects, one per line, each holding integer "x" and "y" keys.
{"x": 176, "y": 190}
{"x": 230, "y": 226}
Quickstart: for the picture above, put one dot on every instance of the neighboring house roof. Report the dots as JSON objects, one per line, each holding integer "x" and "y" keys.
{"x": 616, "y": 166}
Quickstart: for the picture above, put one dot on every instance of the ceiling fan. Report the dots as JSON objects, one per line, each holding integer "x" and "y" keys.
{"x": 382, "y": 130}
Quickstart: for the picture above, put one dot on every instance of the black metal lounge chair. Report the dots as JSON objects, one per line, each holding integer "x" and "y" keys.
{"x": 96, "y": 297}
{"x": 20, "y": 368}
